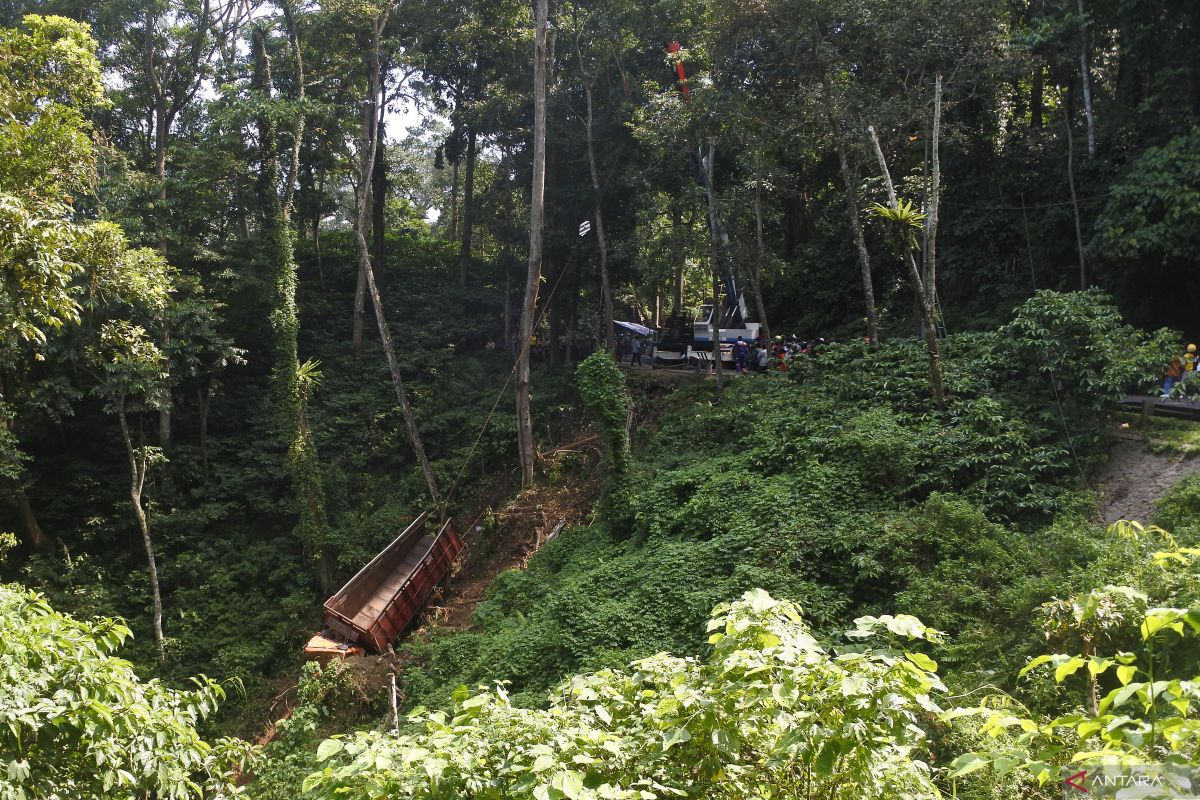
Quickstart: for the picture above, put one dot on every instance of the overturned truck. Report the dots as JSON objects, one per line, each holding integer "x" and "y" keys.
{"x": 371, "y": 610}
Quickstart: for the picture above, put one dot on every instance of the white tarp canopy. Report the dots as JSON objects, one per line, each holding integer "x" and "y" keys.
{"x": 640, "y": 330}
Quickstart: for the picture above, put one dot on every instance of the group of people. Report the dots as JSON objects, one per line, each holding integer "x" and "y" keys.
{"x": 754, "y": 356}
{"x": 760, "y": 356}
{"x": 1180, "y": 368}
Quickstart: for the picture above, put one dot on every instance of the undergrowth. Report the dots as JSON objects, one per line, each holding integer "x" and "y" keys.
{"x": 836, "y": 485}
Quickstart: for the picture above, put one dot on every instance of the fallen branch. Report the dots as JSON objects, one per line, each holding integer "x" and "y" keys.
{"x": 569, "y": 447}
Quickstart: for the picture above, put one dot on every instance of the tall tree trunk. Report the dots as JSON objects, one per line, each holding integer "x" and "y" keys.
{"x": 316, "y": 222}
{"x": 243, "y": 219}
{"x": 389, "y": 349}
{"x": 1086, "y": 80}
{"x": 860, "y": 242}
{"x": 360, "y": 300}
{"x": 452, "y": 234}
{"x": 677, "y": 256}
{"x": 1037, "y": 104}
{"x": 375, "y": 196}
{"x": 760, "y": 253}
{"x": 293, "y": 173}
{"x": 160, "y": 115}
{"x": 379, "y": 187}
{"x": 508, "y": 334}
{"x": 137, "y": 481}
{"x": 35, "y": 538}
{"x": 162, "y": 130}
{"x": 203, "y": 399}
{"x": 606, "y": 299}
{"x": 370, "y": 130}
{"x": 536, "y": 214}
{"x": 289, "y": 393}
{"x": 932, "y": 343}
{"x": 468, "y": 210}
{"x": 715, "y": 244}
{"x": 933, "y": 204}
{"x": 1075, "y": 203}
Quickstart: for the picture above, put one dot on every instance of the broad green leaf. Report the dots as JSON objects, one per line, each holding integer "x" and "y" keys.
{"x": 966, "y": 764}
{"x": 328, "y": 749}
{"x": 569, "y": 782}
{"x": 1067, "y": 668}
{"x": 676, "y": 736}
{"x": 923, "y": 661}
{"x": 1035, "y": 663}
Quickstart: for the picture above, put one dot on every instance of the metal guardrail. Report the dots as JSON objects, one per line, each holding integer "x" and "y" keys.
{"x": 1152, "y": 406}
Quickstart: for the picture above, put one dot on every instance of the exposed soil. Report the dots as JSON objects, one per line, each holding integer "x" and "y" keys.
{"x": 503, "y": 527}
{"x": 1135, "y": 478}
{"x": 500, "y": 534}
{"x": 506, "y": 537}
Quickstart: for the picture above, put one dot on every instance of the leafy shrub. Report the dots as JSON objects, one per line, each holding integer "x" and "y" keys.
{"x": 1078, "y": 341}
{"x": 769, "y": 712}
{"x": 76, "y": 721}
{"x": 290, "y": 755}
{"x": 1179, "y": 509}
{"x": 1134, "y": 706}
{"x": 602, "y": 386}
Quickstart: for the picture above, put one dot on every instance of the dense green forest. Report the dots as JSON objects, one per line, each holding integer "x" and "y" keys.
{"x": 279, "y": 277}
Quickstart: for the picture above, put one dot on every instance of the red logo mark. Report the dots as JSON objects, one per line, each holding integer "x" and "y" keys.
{"x": 1076, "y": 781}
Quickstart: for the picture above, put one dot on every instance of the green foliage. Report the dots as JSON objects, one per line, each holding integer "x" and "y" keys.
{"x": 1179, "y": 509}
{"x": 958, "y": 571}
{"x": 904, "y": 222}
{"x": 833, "y": 486}
{"x": 291, "y": 382}
{"x": 49, "y": 84}
{"x": 1153, "y": 210}
{"x": 768, "y": 712}
{"x": 289, "y": 757}
{"x": 76, "y": 721}
{"x": 132, "y": 367}
{"x": 1079, "y": 340}
{"x": 1142, "y": 701}
{"x": 602, "y": 385}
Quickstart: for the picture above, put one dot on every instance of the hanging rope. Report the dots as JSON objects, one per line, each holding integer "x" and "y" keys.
{"x": 525, "y": 345}
{"x": 500, "y": 396}
{"x": 1053, "y": 381}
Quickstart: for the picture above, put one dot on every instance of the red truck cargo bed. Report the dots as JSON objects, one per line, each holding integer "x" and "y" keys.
{"x": 378, "y": 603}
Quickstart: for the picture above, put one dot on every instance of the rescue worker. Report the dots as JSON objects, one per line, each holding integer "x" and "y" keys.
{"x": 1173, "y": 374}
{"x": 740, "y": 352}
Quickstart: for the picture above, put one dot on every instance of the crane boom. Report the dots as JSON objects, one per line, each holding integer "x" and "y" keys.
{"x": 733, "y": 313}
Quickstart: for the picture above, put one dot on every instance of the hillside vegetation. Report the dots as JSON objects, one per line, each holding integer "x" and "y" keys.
{"x": 277, "y": 279}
